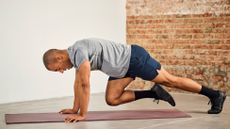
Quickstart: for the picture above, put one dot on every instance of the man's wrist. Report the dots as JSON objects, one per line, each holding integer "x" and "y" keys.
{"x": 82, "y": 115}
{"x": 75, "y": 110}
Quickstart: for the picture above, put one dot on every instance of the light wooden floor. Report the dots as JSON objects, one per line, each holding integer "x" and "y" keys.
{"x": 195, "y": 105}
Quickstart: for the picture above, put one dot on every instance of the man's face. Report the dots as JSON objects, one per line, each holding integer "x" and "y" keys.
{"x": 59, "y": 67}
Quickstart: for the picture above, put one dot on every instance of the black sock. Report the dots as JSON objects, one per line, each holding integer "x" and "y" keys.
{"x": 144, "y": 94}
{"x": 210, "y": 93}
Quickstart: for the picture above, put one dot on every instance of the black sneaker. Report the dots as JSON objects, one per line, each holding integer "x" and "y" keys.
{"x": 217, "y": 103}
{"x": 163, "y": 94}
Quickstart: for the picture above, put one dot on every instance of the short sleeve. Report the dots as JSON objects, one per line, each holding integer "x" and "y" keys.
{"x": 80, "y": 56}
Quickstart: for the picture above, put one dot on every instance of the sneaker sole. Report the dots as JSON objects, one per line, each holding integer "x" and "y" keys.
{"x": 167, "y": 97}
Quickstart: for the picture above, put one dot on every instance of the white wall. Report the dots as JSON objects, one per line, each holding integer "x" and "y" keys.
{"x": 29, "y": 27}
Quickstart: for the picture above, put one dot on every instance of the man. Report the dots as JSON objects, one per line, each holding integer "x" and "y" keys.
{"x": 122, "y": 63}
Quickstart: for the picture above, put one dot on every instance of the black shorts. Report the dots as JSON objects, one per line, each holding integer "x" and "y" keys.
{"x": 141, "y": 65}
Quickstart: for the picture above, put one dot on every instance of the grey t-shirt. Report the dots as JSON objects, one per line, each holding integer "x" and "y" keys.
{"x": 109, "y": 57}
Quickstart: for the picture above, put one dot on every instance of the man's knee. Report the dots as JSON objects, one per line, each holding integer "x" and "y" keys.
{"x": 112, "y": 102}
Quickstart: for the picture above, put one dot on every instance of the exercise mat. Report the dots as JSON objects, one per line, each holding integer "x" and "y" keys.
{"x": 96, "y": 116}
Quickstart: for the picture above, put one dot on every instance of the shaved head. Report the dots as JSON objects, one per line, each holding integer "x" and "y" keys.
{"x": 57, "y": 60}
{"x": 49, "y": 57}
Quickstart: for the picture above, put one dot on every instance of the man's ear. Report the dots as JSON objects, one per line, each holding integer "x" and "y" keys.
{"x": 59, "y": 58}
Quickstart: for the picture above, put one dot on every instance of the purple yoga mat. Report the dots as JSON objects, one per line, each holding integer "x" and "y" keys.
{"x": 97, "y": 116}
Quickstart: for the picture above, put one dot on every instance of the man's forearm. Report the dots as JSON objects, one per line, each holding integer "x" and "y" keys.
{"x": 84, "y": 93}
{"x": 76, "y": 103}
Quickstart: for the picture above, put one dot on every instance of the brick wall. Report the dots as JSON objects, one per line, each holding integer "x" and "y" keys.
{"x": 191, "y": 38}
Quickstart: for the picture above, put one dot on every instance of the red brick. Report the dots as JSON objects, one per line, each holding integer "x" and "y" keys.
{"x": 173, "y": 21}
{"x": 193, "y": 20}
{"x": 189, "y": 31}
{"x": 227, "y": 41}
{"x": 213, "y": 19}
{"x": 221, "y": 25}
{"x": 222, "y": 36}
{"x": 202, "y": 36}
{"x": 213, "y": 41}
{"x": 162, "y": 36}
{"x": 202, "y": 15}
{"x": 156, "y": 26}
{"x": 183, "y": 16}
{"x": 183, "y": 26}
{"x": 183, "y": 36}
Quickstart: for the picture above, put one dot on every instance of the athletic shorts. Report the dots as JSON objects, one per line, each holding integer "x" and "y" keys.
{"x": 141, "y": 65}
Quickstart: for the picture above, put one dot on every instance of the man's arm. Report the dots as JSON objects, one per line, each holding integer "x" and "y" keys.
{"x": 81, "y": 92}
{"x": 83, "y": 88}
{"x": 76, "y": 103}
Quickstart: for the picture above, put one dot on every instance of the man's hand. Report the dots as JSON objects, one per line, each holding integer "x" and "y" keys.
{"x": 74, "y": 118}
{"x": 68, "y": 111}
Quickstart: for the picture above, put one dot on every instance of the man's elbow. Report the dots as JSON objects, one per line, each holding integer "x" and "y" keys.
{"x": 85, "y": 83}
{"x": 86, "y": 87}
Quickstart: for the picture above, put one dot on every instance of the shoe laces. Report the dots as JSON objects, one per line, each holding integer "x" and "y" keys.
{"x": 156, "y": 100}
{"x": 209, "y": 102}
{"x": 212, "y": 102}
